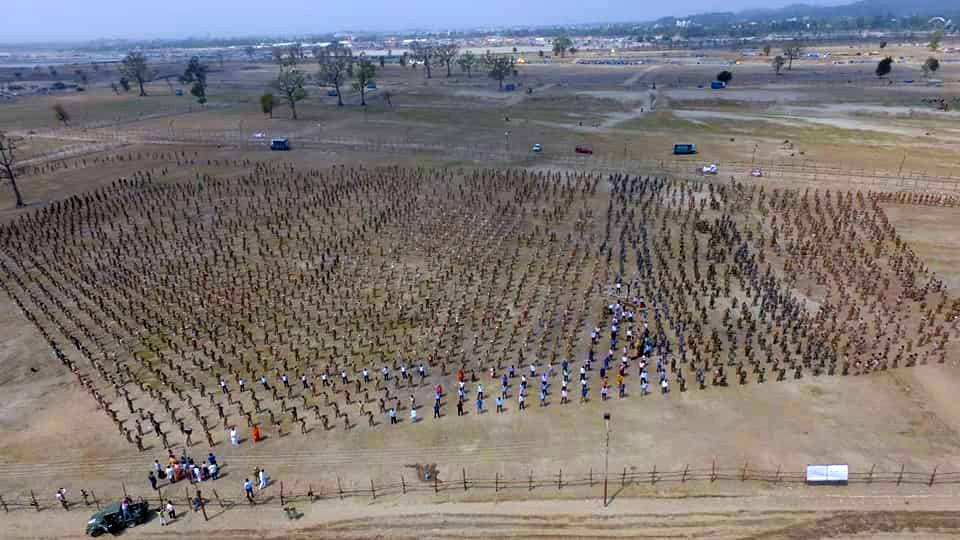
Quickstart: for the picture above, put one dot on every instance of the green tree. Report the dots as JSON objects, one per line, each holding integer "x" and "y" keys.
{"x": 467, "y": 62}
{"x": 777, "y": 64}
{"x": 725, "y": 77}
{"x": 363, "y": 75}
{"x": 290, "y": 83}
{"x": 249, "y": 51}
{"x": 8, "y": 162}
{"x": 61, "y": 113}
{"x": 266, "y": 103}
{"x": 334, "y": 73}
{"x": 936, "y": 38}
{"x": 499, "y": 67}
{"x": 125, "y": 84}
{"x": 561, "y": 44}
{"x": 930, "y": 66}
{"x": 766, "y": 50}
{"x": 884, "y": 67}
{"x": 196, "y": 74}
{"x": 883, "y": 44}
{"x": 134, "y": 66}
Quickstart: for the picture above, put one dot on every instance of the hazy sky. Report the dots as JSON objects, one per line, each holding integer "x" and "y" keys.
{"x": 63, "y": 20}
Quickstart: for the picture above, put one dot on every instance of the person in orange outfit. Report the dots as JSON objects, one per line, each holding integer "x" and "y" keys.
{"x": 256, "y": 433}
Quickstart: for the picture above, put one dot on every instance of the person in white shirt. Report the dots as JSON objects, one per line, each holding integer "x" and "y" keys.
{"x": 262, "y": 477}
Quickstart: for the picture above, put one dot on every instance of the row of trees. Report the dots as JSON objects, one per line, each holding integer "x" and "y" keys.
{"x": 135, "y": 67}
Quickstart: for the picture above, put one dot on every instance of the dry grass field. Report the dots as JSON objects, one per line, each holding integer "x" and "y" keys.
{"x": 164, "y": 248}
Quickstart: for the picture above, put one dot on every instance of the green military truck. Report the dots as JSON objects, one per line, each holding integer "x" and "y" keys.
{"x": 111, "y": 519}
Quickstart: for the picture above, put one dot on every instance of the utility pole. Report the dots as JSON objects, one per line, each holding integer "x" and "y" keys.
{"x": 506, "y": 142}
{"x": 606, "y": 456}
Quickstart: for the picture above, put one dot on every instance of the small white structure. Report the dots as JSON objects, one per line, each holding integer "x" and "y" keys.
{"x": 837, "y": 475}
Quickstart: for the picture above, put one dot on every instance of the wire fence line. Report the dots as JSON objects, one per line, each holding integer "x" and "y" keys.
{"x": 788, "y": 170}
{"x": 219, "y": 493}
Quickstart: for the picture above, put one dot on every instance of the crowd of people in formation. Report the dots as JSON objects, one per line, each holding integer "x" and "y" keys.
{"x": 283, "y": 301}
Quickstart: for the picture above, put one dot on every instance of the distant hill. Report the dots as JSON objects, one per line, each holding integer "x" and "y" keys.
{"x": 863, "y": 8}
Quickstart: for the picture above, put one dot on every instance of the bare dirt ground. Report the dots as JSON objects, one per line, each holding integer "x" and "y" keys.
{"x": 55, "y": 437}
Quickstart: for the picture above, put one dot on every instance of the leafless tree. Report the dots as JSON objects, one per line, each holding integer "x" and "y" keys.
{"x": 446, "y": 55}
{"x": 426, "y": 53}
{"x": 334, "y": 73}
{"x": 290, "y": 84}
{"x": 8, "y": 161}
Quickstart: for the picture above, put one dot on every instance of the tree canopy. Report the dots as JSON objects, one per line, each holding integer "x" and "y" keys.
{"x": 884, "y": 67}
{"x": 196, "y": 74}
{"x": 290, "y": 83}
{"x": 561, "y": 44}
{"x": 363, "y": 76}
{"x": 499, "y": 67}
{"x": 134, "y": 66}
{"x": 334, "y": 73}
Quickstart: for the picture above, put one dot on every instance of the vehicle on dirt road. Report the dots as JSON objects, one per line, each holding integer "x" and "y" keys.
{"x": 756, "y": 172}
{"x": 537, "y": 148}
{"x": 712, "y": 168}
{"x": 583, "y": 150}
{"x": 111, "y": 519}
{"x": 280, "y": 144}
{"x": 684, "y": 149}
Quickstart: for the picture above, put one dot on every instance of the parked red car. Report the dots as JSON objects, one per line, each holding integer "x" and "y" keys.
{"x": 584, "y": 150}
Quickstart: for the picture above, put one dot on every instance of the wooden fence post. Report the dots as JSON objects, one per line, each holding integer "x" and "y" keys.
{"x": 900, "y": 476}
{"x": 870, "y": 477}
{"x": 683, "y": 479}
{"x": 203, "y": 507}
{"x": 933, "y": 476}
{"x": 373, "y": 490}
{"x": 4, "y": 504}
{"x": 35, "y": 504}
{"x": 159, "y": 495}
{"x": 531, "y": 481}
{"x": 653, "y": 475}
{"x": 713, "y": 470}
{"x": 623, "y": 478}
{"x": 281, "y": 493}
{"x": 778, "y": 474}
{"x": 217, "y": 496}
{"x": 743, "y": 476}
{"x": 339, "y": 488}
{"x": 496, "y": 483}
{"x": 403, "y": 485}
{"x": 464, "y": 478}
{"x": 84, "y": 494}
{"x": 560, "y": 480}
{"x": 124, "y": 488}
{"x": 436, "y": 486}
{"x": 95, "y": 500}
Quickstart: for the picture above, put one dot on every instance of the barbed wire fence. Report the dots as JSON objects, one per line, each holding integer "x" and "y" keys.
{"x": 218, "y": 494}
